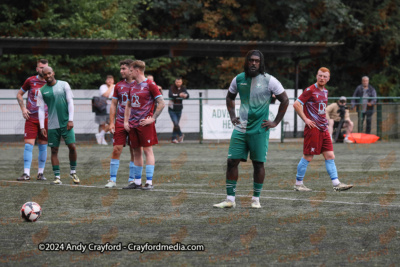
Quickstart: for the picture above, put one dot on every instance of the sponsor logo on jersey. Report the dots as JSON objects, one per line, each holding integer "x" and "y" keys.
{"x": 135, "y": 104}
{"x": 321, "y": 108}
{"x": 124, "y": 98}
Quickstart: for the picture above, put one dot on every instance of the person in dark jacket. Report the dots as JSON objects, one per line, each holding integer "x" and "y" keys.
{"x": 367, "y": 106}
{"x": 177, "y": 92}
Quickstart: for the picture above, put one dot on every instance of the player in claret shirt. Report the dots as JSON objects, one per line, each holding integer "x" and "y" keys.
{"x": 141, "y": 123}
{"x": 32, "y": 127}
{"x": 117, "y": 112}
{"x": 311, "y": 106}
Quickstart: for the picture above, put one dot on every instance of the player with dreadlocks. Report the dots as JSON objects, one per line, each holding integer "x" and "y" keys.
{"x": 251, "y": 128}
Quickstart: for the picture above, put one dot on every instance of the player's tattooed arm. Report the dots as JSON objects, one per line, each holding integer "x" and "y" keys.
{"x": 20, "y": 99}
{"x": 150, "y": 120}
{"x": 230, "y": 105}
{"x": 160, "y": 107}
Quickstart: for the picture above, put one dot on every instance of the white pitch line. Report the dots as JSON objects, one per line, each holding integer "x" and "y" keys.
{"x": 216, "y": 194}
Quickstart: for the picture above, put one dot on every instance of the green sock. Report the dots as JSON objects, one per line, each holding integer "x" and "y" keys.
{"x": 257, "y": 189}
{"x": 73, "y": 166}
{"x": 230, "y": 187}
{"x": 56, "y": 170}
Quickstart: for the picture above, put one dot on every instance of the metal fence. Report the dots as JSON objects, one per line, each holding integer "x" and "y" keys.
{"x": 385, "y": 119}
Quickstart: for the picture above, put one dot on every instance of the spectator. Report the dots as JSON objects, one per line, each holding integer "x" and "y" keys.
{"x": 177, "y": 92}
{"x": 333, "y": 115}
{"x": 367, "y": 106}
{"x": 106, "y": 91}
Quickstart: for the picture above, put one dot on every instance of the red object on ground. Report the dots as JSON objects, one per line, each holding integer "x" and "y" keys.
{"x": 362, "y": 138}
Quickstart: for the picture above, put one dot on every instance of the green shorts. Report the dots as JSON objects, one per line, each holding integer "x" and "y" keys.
{"x": 54, "y": 136}
{"x": 241, "y": 144}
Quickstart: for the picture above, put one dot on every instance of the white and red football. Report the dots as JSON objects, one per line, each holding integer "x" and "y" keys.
{"x": 31, "y": 211}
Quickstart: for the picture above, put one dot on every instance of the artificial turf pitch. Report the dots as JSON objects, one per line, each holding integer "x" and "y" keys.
{"x": 323, "y": 227}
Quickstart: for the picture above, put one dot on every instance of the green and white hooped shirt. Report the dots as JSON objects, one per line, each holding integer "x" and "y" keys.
{"x": 59, "y": 100}
{"x": 255, "y": 96}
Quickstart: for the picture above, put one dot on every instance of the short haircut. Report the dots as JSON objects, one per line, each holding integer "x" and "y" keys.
{"x": 138, "y": 64}
{"x": 127, "y": 62}
{"x": 109, "y": 76}
{"x": 178, "y": 78}
{"x": 43, "y": 61}
{"x": 363, "y": 77}
{"x": 323, "y": 69}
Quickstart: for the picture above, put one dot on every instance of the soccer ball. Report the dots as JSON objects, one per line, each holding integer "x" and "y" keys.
{"x": 31, "y": 211}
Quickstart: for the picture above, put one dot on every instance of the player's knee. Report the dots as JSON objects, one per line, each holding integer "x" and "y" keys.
{"x": 117, "y": 150}
{"x": 233, "y": 163}
{"x": 72, "y": 147}
{"x": 258, "y": 165}
{"x": 329, "y": 156}
{"x": 54, "y": 150}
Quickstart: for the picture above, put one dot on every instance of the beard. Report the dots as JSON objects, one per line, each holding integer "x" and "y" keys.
{"x": 253, "y": 73}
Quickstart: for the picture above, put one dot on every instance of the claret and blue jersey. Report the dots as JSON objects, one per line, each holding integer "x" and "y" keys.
{"x": 314, "y": 103}
{"x": 142, "y": 96}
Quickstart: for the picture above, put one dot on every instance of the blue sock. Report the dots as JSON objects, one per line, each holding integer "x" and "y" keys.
{"x": 149, "y": 172}
{"x": 114, "y": 165}
{"x": 28, "y": 157}
{"x": 42, "y": 156}
{"x": 331, "y": 169}
{"x": 131, "y": 172}
{"x": 301, "y": 169}
{"x": 138, "y": 174}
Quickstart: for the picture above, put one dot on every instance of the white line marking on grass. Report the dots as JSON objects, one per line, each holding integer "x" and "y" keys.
{"x": 216, "y": 194}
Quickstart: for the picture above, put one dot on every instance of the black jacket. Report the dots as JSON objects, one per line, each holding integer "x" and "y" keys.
{"x": 176, "y": 102}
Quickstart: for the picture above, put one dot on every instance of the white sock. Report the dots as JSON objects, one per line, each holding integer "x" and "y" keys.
{"x": 149, "y": 181}
{"x": 255, "y": 198}
{"x": 138, "y": 181}
{"x": 58, "y": 177}
{"x": 231, "y": 198}
{"x": 27, "y": 171}
{"x": 102, "y": 133}
{"x": 299, "y": 182}
{"x": 73, "y": 171}
{"x": 40, "y": 170}
{"x": 335, "y": 182}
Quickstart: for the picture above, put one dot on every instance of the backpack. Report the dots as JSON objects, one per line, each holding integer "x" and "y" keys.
{"x": 99, "y": 105}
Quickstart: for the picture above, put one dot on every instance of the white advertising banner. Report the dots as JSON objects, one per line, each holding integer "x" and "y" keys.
{"x": 217, "y": 124}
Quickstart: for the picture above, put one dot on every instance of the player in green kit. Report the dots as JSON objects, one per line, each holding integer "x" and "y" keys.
{"x": 251, "y": 128}
{"x": 57, "y": 95}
